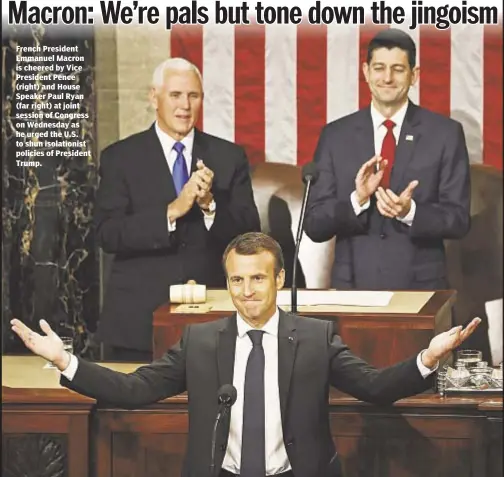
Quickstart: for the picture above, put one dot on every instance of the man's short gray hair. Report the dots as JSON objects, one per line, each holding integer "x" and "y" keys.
{"x": 177, "y": 64}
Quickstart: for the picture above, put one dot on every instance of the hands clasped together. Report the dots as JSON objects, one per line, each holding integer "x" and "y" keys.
{"x": 197, "y": 189}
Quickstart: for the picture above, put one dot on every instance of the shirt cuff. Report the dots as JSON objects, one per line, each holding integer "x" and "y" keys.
{"x": 408, "y": 218}
{"x": 424, "y": 370}
{"x": 71, "y": 369}
{"x": 358, "y": 209}
{"x": 172, "y": 226}
{"x": 208, "y": 219}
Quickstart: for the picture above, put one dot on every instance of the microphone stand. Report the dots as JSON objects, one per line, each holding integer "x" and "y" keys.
{"x": 223, "y": 408}
{"x": 298, "y": 243}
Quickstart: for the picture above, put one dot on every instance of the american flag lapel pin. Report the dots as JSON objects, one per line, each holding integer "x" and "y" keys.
{"x": 409, "y": 137}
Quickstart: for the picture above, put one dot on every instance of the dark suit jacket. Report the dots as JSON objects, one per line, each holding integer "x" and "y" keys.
{"x": 130, "y": 220}
{"x": 311, "y": 357}
{"x": 373, "y": 252}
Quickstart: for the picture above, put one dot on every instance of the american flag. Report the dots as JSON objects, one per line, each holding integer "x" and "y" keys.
{"x": 272, "y": 88}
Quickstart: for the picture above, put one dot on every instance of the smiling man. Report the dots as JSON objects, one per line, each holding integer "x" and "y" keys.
{"x": 169, "y": 200}
{"x": 281, "y": 365}
{"x": 394, "y": 181}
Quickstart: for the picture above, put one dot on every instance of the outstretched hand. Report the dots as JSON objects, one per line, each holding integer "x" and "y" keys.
{"x": 445, "y": 342}
{"x": 49, "y": 345}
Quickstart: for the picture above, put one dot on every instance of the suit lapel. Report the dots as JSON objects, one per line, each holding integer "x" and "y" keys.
{"x": 200, "y": 150}
{"x": 287, "y": 346}
{"x": 364, "y": 136}
{"x": 160, "y": 170}
{"x": 408, "y": 139}
{"x": 226, "y": 351}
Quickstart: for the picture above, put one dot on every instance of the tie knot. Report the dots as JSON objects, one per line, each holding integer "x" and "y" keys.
{"x": 256, "y": 337}
{"x": 179, "y": 147}
{"x": 389, "y": 124}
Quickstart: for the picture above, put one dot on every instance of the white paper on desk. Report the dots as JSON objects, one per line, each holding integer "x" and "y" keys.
{"x": 494, "y": 314}
{"x": 336, "y": 297}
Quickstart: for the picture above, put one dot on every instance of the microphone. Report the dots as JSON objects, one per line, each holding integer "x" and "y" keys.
{"x": 310, "y": 175}
{"x": 226, "y": 397}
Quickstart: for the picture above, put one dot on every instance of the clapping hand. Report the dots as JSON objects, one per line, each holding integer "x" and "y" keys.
{"x": 196, "y": 189}
{"x": 368, "y": 178}
{"x": 392, "y": 205}
{"x": 205, "y": 178}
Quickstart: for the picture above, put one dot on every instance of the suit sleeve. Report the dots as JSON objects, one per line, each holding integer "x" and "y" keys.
{"x": 329, "y": 212}
{"x": 118, "y": 228}
{"x": 163, "y": 378}
{"x": 354, "y": 376}
{"x": 449, "y": 217}
{"x": 236, "y": 211}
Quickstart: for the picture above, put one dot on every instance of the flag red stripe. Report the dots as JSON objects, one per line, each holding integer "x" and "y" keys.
{"x": 492, "y": 96}
{"x": 186, "y": 41}
{"x": 435, "y": 82}
{"x": 366, "y": 34}
{"x": 435, "y": 56}
{"x": 311, "y": 88}
{"x": 250, "y": 90}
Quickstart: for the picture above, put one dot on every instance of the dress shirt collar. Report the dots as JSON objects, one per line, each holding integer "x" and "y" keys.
{"x": 271, "y": 327}
{"x": 398, "y": 117}
{"x": 167, "y": 141}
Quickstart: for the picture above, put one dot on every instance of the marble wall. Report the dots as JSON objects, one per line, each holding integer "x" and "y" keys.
{"x": 50, "y": 265}
{"x": 125, "y": 58}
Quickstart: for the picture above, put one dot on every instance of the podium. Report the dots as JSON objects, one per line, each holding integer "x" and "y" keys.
{"x": 380, "y": 335}
{"x": 49, "y": 430}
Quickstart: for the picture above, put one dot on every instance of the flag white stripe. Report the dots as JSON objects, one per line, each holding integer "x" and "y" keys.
{"x": 466, "y": 93}
{"x": 218, "y": 81}
{"x": 466, "y": 85}
{"x": 281, "y": 94}
{"x": 343, "y": 70}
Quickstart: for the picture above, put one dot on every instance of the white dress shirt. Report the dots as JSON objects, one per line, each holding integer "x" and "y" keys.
{"x": 276, "y": 455}
{"x": 277, "y": 460}
{"x": 380, "y": 131}
{"x": 167, "y": 143}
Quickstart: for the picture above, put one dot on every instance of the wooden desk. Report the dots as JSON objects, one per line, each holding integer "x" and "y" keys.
{"x": 381, "y": 336}
{"x": 45, "y": 427}
{"x": 421, "y": 436}
{"x": 50, "y": 429}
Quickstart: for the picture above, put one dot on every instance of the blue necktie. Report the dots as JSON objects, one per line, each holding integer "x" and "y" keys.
{"x": 180, "y": 175}
{"x": 253, "y": 453}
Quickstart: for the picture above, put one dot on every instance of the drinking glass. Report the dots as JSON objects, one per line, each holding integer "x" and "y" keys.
{"x": 469, "y": 357}
{"x": 67, "y": 346}
{"x": 459, "y": 376}
{"x": 497, "y": 376}
{"x": 481, "y": 375}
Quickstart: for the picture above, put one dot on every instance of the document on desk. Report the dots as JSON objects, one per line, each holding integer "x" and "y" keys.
{"x": 336, "y": 297}
{"x": 494, "y": 315}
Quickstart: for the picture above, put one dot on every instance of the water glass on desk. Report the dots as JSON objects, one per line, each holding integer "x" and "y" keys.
{"x": 67, "y": 346}
{"x": 469, "y": 357}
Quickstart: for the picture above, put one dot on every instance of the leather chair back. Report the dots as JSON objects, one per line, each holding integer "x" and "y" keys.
{"x": 278, "y": 193}
{"x": 474, "y": 263}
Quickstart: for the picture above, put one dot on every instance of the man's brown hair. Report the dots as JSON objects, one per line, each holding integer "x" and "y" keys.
{"x": 253, "y": 243}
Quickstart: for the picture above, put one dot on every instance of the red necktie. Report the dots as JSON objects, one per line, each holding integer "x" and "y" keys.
{"x": 388, "y": 151}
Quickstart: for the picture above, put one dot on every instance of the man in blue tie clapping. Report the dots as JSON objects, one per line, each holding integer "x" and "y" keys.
{"x": 169, "y": 200}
